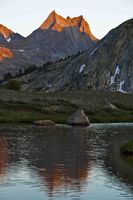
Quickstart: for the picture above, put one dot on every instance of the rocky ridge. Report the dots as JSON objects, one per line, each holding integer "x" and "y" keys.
{"x": 57, "y": 38}
{"x": 109, "y": 66}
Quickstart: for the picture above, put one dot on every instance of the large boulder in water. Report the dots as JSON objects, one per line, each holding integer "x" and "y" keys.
{"x": 78, "y": 118}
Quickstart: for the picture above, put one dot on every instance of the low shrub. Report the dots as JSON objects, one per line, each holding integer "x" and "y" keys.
{"x": 13, "y": 85}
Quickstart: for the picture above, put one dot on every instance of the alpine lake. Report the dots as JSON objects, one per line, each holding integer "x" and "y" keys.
{"x": 65, "y": 163}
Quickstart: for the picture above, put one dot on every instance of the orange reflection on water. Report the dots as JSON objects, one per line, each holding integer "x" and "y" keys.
{"x": 3, "y": 155}
{"x": 67, "y": 177}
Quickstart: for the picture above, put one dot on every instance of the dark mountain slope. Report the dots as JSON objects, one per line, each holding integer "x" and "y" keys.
{"x": 108, "y": 66}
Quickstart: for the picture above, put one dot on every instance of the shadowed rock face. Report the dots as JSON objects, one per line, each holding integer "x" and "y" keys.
{"x": 56, "y": 38}
{"x": 109, "y": 66}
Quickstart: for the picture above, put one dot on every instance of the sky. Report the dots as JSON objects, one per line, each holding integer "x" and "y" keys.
{"x": 24, "y": 16}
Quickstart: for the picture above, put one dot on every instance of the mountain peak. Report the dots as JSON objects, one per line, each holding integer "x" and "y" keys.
{"x": 51, "y": 20}
{"x": 5, "y": 31}
{"x": 53, "y": 13}
{"x": 58, "y": 23}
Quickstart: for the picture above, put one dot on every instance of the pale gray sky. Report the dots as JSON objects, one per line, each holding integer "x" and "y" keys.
{"x": 24, "y": 16}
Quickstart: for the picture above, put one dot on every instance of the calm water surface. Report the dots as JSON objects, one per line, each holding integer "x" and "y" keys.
{"x": 65, "y": 163}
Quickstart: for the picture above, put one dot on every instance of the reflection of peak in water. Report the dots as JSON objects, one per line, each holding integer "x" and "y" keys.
{"x": 3, "y": 155}
{"x": 64, "y": 158}
{"x": 61, "y": 156}
{"x": 60, "y": 177}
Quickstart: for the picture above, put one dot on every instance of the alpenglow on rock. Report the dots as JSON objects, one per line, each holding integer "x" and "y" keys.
{"x": 58, "y": 37}
{"x": 58, "y": 23}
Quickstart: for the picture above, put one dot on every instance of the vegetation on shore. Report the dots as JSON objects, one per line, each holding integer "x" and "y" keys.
{"x": 127, "y": 149}
{"x": 102, "y": 106}
{"x": 127, "y": 152}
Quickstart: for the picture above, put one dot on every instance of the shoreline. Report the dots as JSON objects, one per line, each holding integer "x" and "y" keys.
{"x": 100, "y": 107}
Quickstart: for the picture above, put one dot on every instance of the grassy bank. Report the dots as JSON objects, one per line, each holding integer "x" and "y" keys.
{"x": 18, "y": 106}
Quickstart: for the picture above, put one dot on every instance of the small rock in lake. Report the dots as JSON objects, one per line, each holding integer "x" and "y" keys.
{"x": 44, "y": 123}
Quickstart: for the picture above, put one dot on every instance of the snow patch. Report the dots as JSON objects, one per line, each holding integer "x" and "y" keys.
{"x": 82, "y": 68}
{"x": 95, "y": 49}
{"x": 21, "y": 50}
{"x": 49, "y": 85}
{"x": 37, "y": 49}
{"x": 8, "y": 39}
{"x": 117, "y": 72}
{"x": 121, "y": 86}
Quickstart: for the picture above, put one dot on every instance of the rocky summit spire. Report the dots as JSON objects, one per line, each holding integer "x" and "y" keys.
{"x": 58, "y": 23}
{"x": 51, "y": 20}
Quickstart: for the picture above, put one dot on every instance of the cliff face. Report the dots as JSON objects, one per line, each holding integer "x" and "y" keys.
{"x": 109, "y": 66}
{"x": 56, "y": 38}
